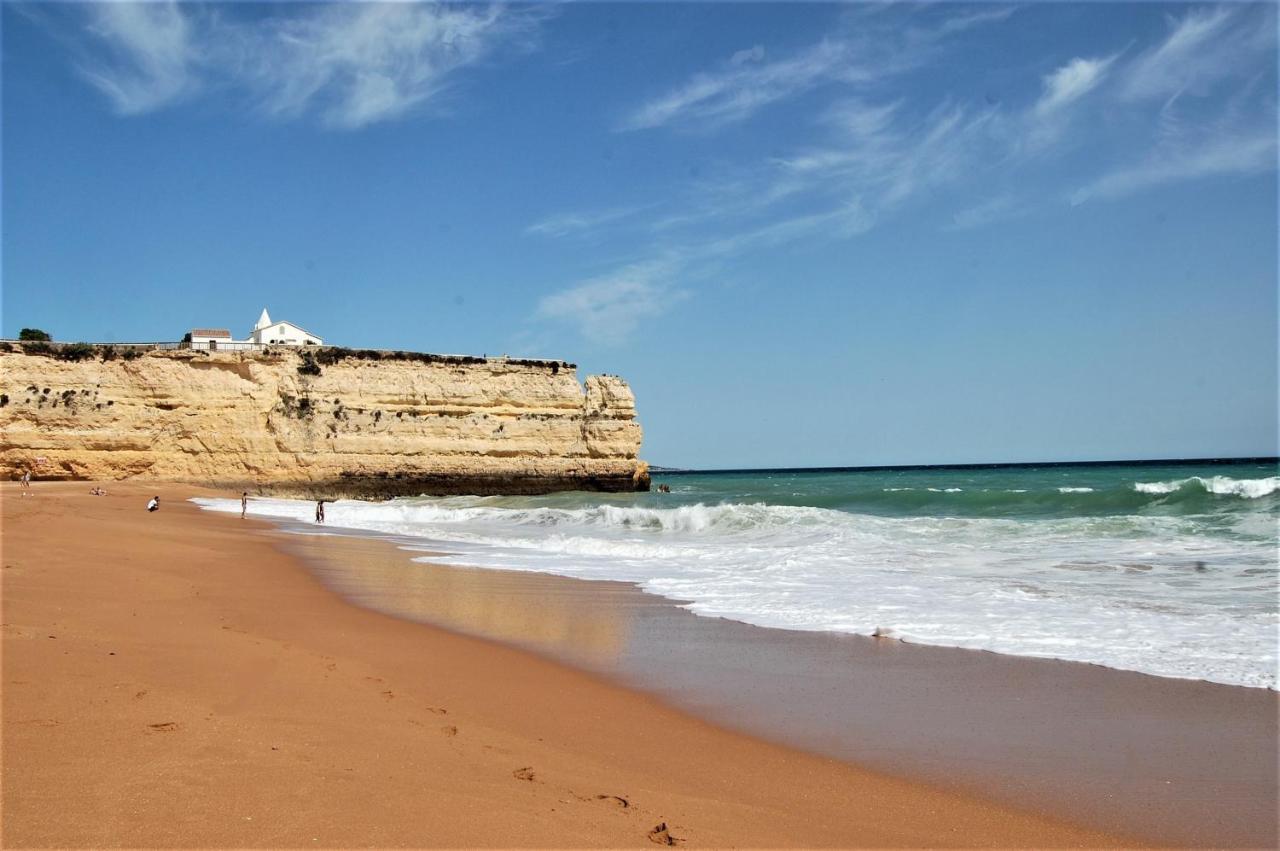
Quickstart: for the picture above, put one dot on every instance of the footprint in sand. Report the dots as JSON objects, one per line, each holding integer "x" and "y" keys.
{"x": 435, "y": 710}
{"x": 449, "y": 730}
{"x": 662, "y": 836}
{"x": 616, "y": 800}
{"x": 164, "y": 726}
{"x": 525, "y": 773}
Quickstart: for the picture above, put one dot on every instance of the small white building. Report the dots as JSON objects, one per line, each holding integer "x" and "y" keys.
{"x": 209, "y": 338}
{"x": 267, "y": 332}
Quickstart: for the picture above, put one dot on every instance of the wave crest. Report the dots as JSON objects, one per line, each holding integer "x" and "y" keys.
{"x": 1218, "y": 485}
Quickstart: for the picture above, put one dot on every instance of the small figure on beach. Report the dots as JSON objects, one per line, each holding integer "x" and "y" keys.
{"x": 97, "y": 491}
{"x": 320, "y": 511}
{"x": 244, "y": 504}
{"x": 154, "y": 504}
{"x": 26, "y": 482}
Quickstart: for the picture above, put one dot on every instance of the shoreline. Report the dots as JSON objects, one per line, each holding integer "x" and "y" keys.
{"x": 1174, "y": 761}
{"x": 176, "y": 680}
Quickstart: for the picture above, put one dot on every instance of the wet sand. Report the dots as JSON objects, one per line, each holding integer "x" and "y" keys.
{"x": 177, "y": 680}
{"x": 1174, "y": 761}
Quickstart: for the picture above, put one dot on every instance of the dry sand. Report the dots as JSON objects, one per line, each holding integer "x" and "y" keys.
{"x": 174, "y": 679}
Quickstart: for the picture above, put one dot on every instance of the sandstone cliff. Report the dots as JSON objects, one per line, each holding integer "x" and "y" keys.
{"x": 324, "y": 422}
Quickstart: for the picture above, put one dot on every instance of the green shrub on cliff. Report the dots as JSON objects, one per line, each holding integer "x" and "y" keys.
{"x": 74, "y": 352}
{"x": 34, "y": 334}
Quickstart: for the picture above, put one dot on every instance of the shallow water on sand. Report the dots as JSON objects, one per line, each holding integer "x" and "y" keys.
{"x": 1166, "y": 570}
{"x": 1173, "y": 761}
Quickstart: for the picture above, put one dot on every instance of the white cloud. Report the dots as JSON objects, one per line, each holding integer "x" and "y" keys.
{"x": 1204, "y": 46}
{"x": 148, "y": 63}
{"x": 742, "y": 87}
{"x": 1070, "y": 83}
{"x": 1217, "y": 156}
{"x": 570, "y": 224}
{"x": 360, "y": 63}
{"x": 609, "y": 308}
{"x": 352, "y": 64}
{"x": 887, "y": 157}
{"x": 991, "y": 210}
{"x": 746, "y": 82}
{"x": 755, "y": 53}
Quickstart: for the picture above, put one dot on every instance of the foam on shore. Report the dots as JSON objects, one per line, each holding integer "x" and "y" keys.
{"x": 1171, "y": 594}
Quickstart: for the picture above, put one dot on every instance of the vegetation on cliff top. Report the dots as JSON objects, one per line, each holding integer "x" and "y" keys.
{"x": 312, "y": 359}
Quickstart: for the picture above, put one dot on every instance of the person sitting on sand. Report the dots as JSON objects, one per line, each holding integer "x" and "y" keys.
{"x": 244, "y": 504}
{"x": 154, "y": 504}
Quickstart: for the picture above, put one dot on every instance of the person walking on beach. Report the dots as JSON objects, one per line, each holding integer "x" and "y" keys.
{"x": 244, "y": 504}
{"x": 320, "y": 511}
{"x": 26, "y": 482}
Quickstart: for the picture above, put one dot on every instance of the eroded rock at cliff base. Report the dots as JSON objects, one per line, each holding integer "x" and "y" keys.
{"x": 319, "y": 422}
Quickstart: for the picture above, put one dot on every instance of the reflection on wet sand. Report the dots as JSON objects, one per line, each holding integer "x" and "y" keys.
{"x": 1183, "y": 761}
{"x": 529, "y": 610}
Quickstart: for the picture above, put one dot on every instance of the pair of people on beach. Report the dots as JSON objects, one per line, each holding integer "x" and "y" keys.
{"x": 26, "y": 483}
{"x": 244, "y": 507}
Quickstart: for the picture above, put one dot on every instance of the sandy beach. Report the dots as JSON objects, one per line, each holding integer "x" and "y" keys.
{"x": 175, "y": 679}
{"x": 1178, "y": 762}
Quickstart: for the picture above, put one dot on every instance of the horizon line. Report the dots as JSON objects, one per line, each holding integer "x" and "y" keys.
{"x": 1151, "y": 462}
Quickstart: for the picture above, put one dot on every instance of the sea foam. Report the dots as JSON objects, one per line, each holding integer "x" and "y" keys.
{"x": 1220, "y": 485}
{"x": 1162, "y": 594}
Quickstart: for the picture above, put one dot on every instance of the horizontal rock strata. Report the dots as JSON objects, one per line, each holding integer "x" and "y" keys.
{"x": 317, "y": 423}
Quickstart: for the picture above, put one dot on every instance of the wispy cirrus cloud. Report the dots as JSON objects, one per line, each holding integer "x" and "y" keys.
{"x": 888, "y": 157}
{"x": 349, "y": 64}
{"x": 880, "y": 151}
{"x": 749, "y": 81}
{"x": 1235, "y": 145}
{"x": 148, "y": 54}
{"x": 608, "y": 308}
{"x": 1071, "y": 82}
{"x": 746, "y": 83}
{"x": 999, "y": 208}
{"x": 1203, "y": 47}
{"x": 573, "y": 224}
{"x": 360, "y": 63}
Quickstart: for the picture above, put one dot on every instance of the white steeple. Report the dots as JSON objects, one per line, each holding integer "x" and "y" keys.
{"x": 263, "y": 321}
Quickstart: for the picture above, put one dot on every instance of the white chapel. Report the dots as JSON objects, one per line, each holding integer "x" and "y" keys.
{"x": 267, "y": 332}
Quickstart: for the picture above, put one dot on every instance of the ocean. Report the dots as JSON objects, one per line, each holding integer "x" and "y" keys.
{"x": 1169, "y": 570}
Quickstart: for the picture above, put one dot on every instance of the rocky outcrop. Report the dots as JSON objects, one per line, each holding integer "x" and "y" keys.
{"x": 320, "y": 423}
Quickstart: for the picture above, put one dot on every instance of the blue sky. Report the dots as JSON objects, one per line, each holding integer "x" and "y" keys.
{"x": 807, "y": 234}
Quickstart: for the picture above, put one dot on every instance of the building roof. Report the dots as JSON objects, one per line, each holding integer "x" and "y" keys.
{"x": 210, "y": 332}
{"x": 292, "y": 325}
{"x": 263, "y": 321}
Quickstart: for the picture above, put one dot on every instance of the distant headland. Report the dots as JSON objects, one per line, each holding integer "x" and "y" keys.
{"x": 281, "y": 412}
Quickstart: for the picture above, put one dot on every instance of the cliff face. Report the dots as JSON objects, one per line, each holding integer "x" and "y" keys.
{"x": 282, "y": 422}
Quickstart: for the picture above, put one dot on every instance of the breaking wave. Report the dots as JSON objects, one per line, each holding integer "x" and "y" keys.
{"x": 1144, "y": 576}
{"x": 1217, "y": 485}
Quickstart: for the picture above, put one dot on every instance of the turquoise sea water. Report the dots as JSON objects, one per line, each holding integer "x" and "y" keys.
{"x": 1169, "y": 570}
